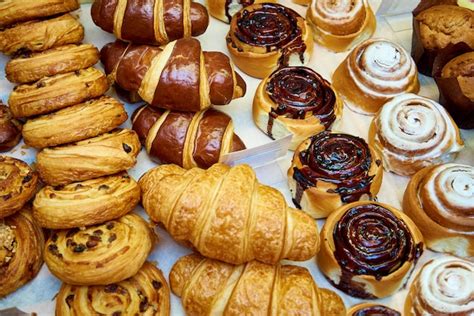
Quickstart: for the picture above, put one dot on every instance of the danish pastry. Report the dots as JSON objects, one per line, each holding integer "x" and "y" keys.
{"x": 371, "y": 309}
{"x": 224, "y": 10}
{"x": 10, "y": 129}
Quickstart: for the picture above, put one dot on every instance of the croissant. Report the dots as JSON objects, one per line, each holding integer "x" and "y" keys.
{"x": 154, "y": 22}
{"x": 211, "y": 287}
{"x": 186, "y": 139}
{"x": 227, "y": 215}
{"x": 10, "y": 129}
{"x": 181, "y": 77}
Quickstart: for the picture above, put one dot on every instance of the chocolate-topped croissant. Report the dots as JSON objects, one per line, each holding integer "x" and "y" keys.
{"x": 180, "y": 77}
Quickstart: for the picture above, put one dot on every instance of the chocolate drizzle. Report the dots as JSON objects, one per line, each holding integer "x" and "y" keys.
{"x": 243, "y": 3}
{"x": 375, "y": 310}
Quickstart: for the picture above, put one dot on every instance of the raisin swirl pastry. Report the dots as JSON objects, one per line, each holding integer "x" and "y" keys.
{"x": 371, "y": 309}
{"x": 330, "y": 169}
{"x": 266, "y": 36}
{"x": 100, "y": 254}
{"x": 374, "y": 72}
{"x": 439, "y": 199}
{"x": 17, "y": 185}
{"x": 295, "y": 100}
{"x": 413, "y": 132}
{"x": 369, "y": 249}
{"x": 10, "y": 129}
{"x": 442, "y": 287}
{"x": 340, "y": 24}
{"x": 224, "y": 10}
{"x": 145, "y": 293}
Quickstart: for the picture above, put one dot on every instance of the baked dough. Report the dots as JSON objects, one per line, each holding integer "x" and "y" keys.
{"x": 372, "y": 309}
{"x": 10, "y": 129}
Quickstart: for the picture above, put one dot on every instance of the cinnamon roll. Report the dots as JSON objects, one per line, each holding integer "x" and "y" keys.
{"x": 329, "y": 170}
{"x": 439, "y": 200}
{"x": 443, "y": 287}
{"x": 376, "y": 71}
{"x": 297, "y": 101}
{"x": 413, "y": 132}
{"x": 224, "y": 10}
{"x": 340, "y": 24}
{"x": 10, "y": 129}
{"x": 145, "y": 293}
{"x": 100, "y": 254}
{"x": 369, "y": 249}
{"x": 371, "y": 309}
{"x": 266, "y": 36}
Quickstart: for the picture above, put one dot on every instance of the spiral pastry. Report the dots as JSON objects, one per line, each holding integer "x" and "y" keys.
{"x": 266, "y": 36}
{"x": 145, "y": 293}
{"x": 10, "y": 129}
{"x": 337, "y": 25}
{"x": 370, "y": 309}
{"x": 442, "y": 287}
{"x": 376, "y": 71}
{"x": 369, "y": 249}
{"x": 295, "y": 100}
{"x": 439, "y": 200}
{"x": 413, "y": 132}
{"x": 100, "y": 254}
{"x": 224, "y": 10}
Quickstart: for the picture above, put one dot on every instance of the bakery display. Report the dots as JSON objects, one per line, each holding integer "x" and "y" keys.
{"x": 369, "y": 249}
{"x": 297, "y": 101}
{"x": 413, "y": 132}
{"x": 100, "y": 254}
{"x": 208, "y": 286}
{"x": 373, "y": 73}
{"x": 180, "y": 77}
{"x": 442, "y": 287}
{"x": 145, "y": 293}
{"x": 439, "y": 200}
{"x": 10, "y": 129}
{"x": 89, "y": 159}
{"x": 371, "y": 309}
{"x": 224, "y": 10}
{"x": 329, "y": 170}
{"x": 338, "y": 25}
{"x": 226, "y": 214}
{"x": 266, "y": 36}
{"x": 186, "y": 139}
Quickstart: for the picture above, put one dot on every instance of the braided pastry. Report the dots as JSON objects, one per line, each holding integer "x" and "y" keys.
{"x": 413, "y": 132}
{"x": 181, "y": 77}
{"x": 227, "y": 215}
{"x": 224, "y": 10}
{"x": 10, "y": 129}
{"x": 371, "y": 309}
{"x": 209, "y": 286}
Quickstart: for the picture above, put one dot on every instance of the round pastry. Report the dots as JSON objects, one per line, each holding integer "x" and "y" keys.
{"x": 439, "y": 200}
{"x": 86, "y": 203}
{"x": 338, "y": 25}
{"x": 329, "y": 170}
{"x": 376, "y": 71}
{"x": 266, "y": 36}
{"x": 297, "y": 101}
{"x": 17, "y": 185}
{"x": 101, "y": 254}
{"x": 224, "y": 10}
{"x": 413, "y": 132}
{"x": 145, "y": 293}
{"x": 369, "y": 249}
{"x": 443, "y": 287}
{"x": 89, "y": 159}
{"x": 75, "y": 123}
{"x": 10, "y": 129}
{"x": 371, "y": 309}
{"x": 21, "y": 251}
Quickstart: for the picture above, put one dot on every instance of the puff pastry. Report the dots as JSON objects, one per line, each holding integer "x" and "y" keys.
{"x": 145, "y": 293}
{"x": 53, "y": 93}
{"x": 371, "y": 309}
{"x": 75, "y": 123}
{"x": 209, "y": 286}
{"x": 329, "y": 170}
{"x": 21, "y": 251}
{"x": 369, "y": 249}
{"x": 88, "y": 159}
{"x": 10, "y": 129}
{"x": 31, "y": 67}
{"x": 101, "y": 254}
{"x": 36, "y": 36}
{"x": 17, "y": 185}
{"x": 224, "y": 10}
{"x": 227, "y": 215}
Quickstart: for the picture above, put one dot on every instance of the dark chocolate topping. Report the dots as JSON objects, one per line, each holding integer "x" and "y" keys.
{"x": 138, "y": 22}
{"x": 244, "y": 3}
{"x": 376, "y": 310}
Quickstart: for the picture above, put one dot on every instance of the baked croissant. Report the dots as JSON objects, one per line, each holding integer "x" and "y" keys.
{"x": 10, "y": 129}
{"x": 154, "y": 22}
{"x": 211, "y": 287}
{"x": 226, "y": 214}
{"x": 186, "y": 139}
{"x": 181, "y": 77}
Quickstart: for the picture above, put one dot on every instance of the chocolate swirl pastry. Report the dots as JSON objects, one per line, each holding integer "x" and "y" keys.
{"x": 145, "y": 293}
{"x": 295, "y": 100}
{"x": 370, "y": 309}
{"x": 329, "y": 170}
{"x": 10, "y": 129}
{"x": 369, "y": 249}
{"x": 266, "y": 36}
{"x": 224, "y": 10}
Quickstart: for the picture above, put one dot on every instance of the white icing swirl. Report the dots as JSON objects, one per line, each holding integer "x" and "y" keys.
{"x": 340, "y": 17}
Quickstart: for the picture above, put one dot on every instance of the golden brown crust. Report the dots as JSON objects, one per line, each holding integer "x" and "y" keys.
{"x": 75, "y": 123}
{"x": 368, "y": 309}
{"x": 10, "y": 129}
{"x": 462, "y": 68}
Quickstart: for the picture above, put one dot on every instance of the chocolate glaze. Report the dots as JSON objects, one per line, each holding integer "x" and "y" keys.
{"x": 103, "y": 12}
{"x": 173, "y": 18}
{"x": 221, "y": 81}
{"x": 143, "y": 120}
{"x": 142, "y": 32}
{"x": 199, "y": 19}
{"x": 244, "y": 3}
{"x": 376, "y": 310}
{"x": 237, "y": 143}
